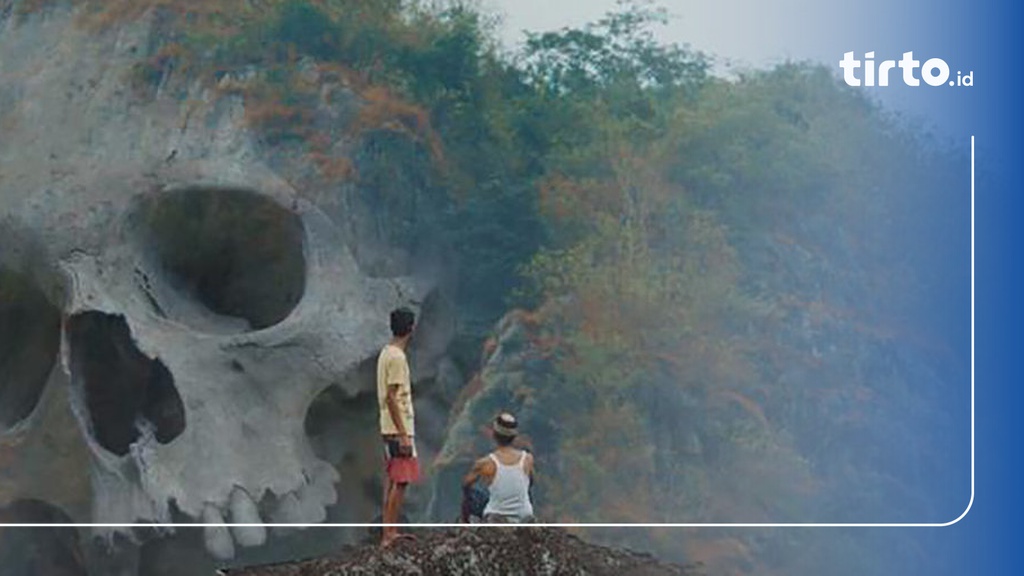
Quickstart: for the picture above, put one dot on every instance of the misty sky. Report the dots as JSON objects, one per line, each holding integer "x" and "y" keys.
{"x": 763, "y": 35}
{"x": 759, "y": 33}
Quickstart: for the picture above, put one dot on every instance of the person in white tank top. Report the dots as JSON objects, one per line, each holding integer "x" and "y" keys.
{"x": 508, "y": 474}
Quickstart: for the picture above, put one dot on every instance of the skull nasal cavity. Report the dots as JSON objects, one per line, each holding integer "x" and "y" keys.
{"x": 29, "y": 340}
{"x": 238, "y": 253}
{"x": 126, "y": 393}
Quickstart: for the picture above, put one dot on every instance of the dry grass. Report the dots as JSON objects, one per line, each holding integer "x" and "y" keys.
{"x": 334, "y": 168}
{"x": 383, "y": 110}
{"x": 722, "y": 555}
{"x": 219, "y": 16}
{"x": 278, "y": 109}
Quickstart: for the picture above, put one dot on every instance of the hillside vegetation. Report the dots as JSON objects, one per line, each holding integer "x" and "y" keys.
{"x": 745, "y": 296}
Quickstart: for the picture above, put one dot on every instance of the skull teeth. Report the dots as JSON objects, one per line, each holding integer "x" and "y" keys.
{"x": 288, "y": 510}
{"x": 244, "y": 511}
{"x": 320, "y": 488}
{"x": 307, "y": 505}
{"x": 293, "y": 509}
{"x": 217, "y": 538}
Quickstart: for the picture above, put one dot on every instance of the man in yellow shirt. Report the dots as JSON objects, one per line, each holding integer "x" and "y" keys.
{"x": 397, "y": 421}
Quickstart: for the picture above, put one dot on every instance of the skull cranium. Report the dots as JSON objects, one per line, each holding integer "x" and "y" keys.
{"x": 205, "y": 302}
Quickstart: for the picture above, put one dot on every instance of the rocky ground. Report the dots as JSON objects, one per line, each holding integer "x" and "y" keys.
{"x": 483, "y": 551}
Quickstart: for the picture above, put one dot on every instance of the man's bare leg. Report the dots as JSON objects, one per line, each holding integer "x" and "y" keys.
{"x": 384, "y": 497}
{"x": 392, "y": 508}
{"x": 385, "y": 513}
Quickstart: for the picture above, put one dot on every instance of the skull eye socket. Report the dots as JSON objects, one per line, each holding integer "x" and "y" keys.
{"x": 125, "y": 392}
{"x": 343, "y": 430}
{"x": 236, "y": 253}
{"x": 29, "y": 341}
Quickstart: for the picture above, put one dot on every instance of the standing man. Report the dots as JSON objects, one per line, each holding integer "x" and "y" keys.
{"x": 394, "y": 395}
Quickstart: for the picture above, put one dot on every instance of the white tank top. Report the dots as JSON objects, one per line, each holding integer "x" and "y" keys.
{"x": 510, "y": 489}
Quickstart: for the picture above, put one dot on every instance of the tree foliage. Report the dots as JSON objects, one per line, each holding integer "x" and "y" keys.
{"x": 618, "y": 52}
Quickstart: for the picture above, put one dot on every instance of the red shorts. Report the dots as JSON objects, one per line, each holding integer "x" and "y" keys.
{"x": 400, "y": 469}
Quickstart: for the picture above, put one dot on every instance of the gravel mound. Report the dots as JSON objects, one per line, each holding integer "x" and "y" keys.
{"x": 481, "y": 551}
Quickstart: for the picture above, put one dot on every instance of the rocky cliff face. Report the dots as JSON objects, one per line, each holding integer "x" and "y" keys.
{"x": 190, "y": 299}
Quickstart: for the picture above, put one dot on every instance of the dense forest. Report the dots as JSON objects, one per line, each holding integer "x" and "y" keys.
{"x": 744, "y": 293}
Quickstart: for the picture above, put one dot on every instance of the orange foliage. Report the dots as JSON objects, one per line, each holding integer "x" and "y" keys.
{"x": 335, "y": 72}
{"x": 531, "y": 318}
{"x": 523, "y": 394}
{"x": 266, "y": 108}
{"x": 26, "y": 7}
{"x": 562, "y": 198}
{"x": 594, "y": 321}
{"x": 334, "y": 169}
{"x": 544, "y": 346}
{"x": 591, "y": 482}
{"x": 168, "y": 52}
{"x": 490, "y": 346}
{"x": 383, "y": 110}
{"x": 722, "y": 555}
{"x": 627, "y": 510}
{"x": 749, "y": 406}
{"x": 273, "y": 115}
{"x": 220, "y": 17}
{"x": 554, "y": 193}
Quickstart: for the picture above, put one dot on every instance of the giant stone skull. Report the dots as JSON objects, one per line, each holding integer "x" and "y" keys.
{"x": 175, "y": 280}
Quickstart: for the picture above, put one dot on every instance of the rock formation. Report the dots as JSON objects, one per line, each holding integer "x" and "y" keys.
{"x": 179, "y": 291}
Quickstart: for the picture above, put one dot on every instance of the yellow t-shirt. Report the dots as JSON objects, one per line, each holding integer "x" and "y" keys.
{"x": 392, "y": 369}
